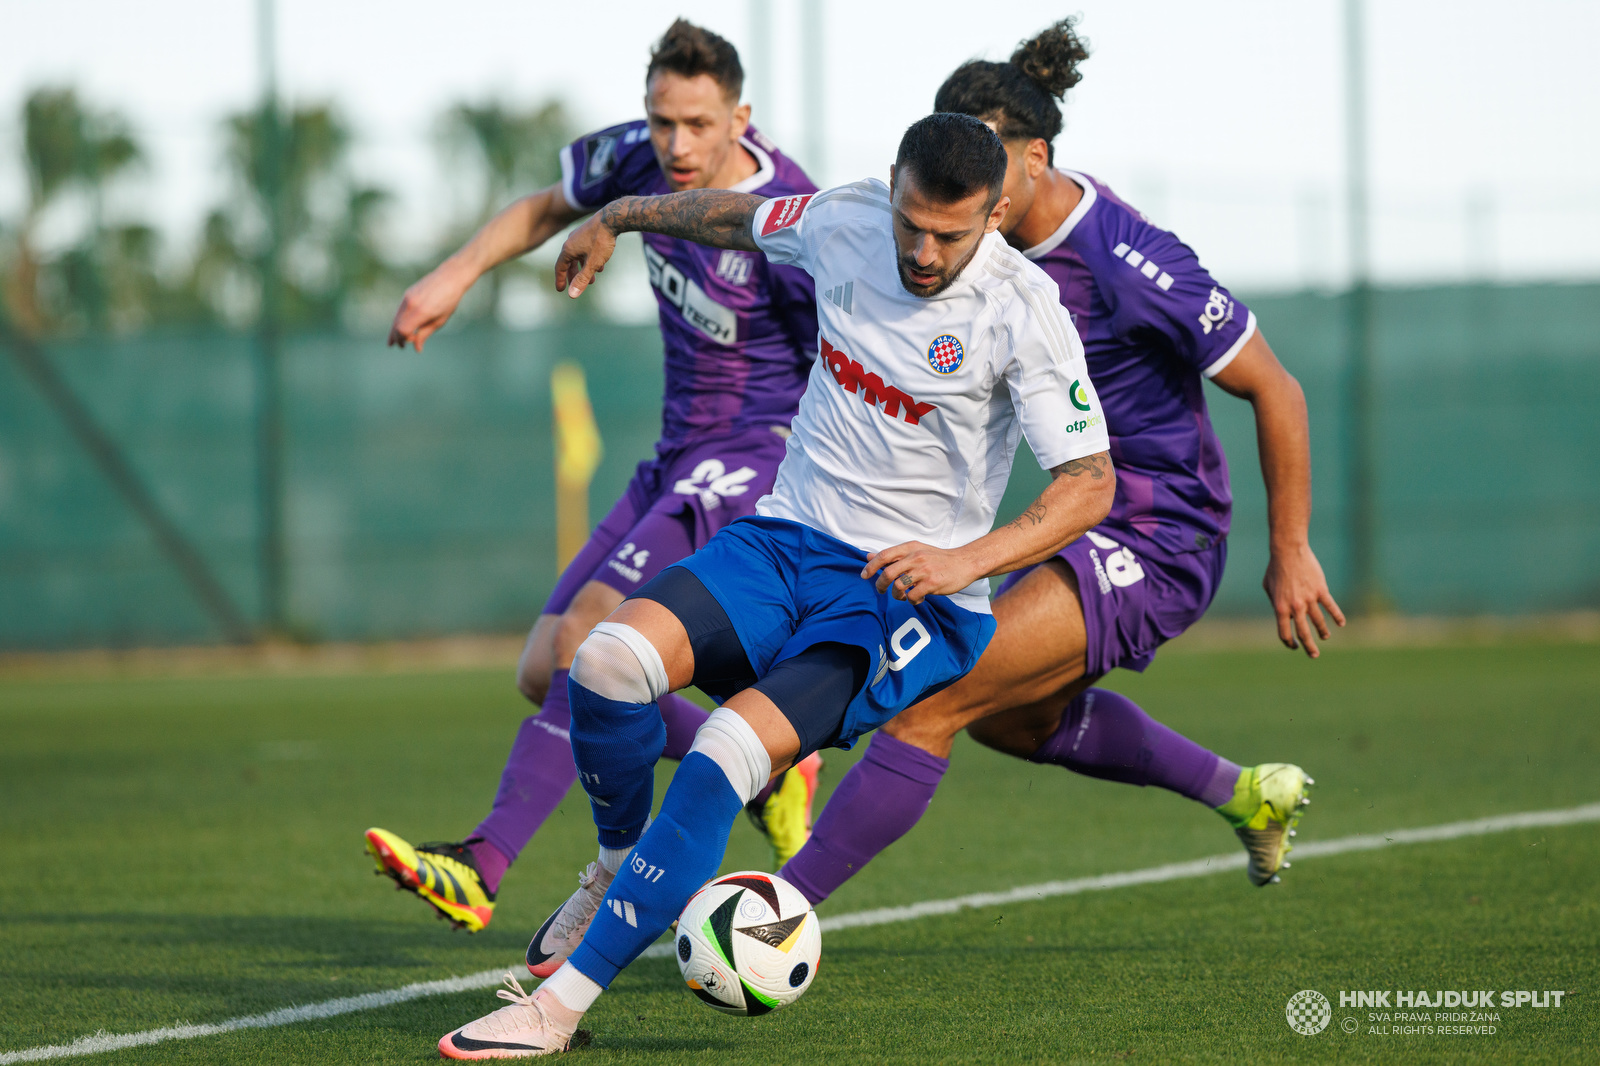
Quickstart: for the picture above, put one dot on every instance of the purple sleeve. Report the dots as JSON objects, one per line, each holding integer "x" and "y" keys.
{"x": 794, "y": 303}
{"x": 1155, "y": 282}
{"x": 599, "y": 167}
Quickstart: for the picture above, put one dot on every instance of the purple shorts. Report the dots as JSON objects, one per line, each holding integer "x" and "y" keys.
{"x": 673, "y": 505}
{"x": 1136, "y": 595}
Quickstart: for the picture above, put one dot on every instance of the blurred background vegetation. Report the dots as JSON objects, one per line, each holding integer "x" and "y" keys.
{"x": 82, "y": 259}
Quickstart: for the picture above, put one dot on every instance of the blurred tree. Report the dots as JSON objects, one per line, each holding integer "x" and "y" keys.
{"x": 106, "y": 277}
{"x": 501, "y": 153}
{"x": 330, "y": 250}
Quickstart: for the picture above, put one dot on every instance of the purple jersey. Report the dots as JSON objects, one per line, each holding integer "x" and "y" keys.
{"x": 1152, "y": 322}
{"x": 740, "y": 333}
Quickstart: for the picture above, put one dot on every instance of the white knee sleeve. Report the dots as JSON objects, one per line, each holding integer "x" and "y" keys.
{"x": 727, "y": 740}
{"x": 616, "y": 662}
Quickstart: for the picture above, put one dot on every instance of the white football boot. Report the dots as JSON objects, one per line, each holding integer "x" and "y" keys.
{"x": 519, "y": 1031}
{"x": 563, "y": 931}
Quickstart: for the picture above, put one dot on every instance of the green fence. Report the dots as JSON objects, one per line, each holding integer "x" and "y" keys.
{"x": 419, "y": 487}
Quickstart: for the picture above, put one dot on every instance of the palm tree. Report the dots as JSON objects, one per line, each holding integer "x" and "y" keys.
{"x": 328, "y": 240}
{"x": 67, "y": 148}
{"x": 504, "y": 153}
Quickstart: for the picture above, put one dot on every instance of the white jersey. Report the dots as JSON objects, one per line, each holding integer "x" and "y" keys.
{"x": 910, "y": 419}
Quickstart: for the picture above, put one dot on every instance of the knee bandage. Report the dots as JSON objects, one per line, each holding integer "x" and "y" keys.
{"x": 618, "y": 663}
{"x": 727, "y": 740}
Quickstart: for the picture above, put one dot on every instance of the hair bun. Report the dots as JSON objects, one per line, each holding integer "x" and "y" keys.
{"x": 1051, "y": 58}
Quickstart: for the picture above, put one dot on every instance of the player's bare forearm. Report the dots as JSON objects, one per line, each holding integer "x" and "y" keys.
{"x": 714, "y": 217}
{"x": 1294, "y": 581}
{"x": 1077, "y": 499}
{"x": 520, "y": 228}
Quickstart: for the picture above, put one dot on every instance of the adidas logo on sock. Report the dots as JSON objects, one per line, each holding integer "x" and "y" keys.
{"x": 624, "y": 910}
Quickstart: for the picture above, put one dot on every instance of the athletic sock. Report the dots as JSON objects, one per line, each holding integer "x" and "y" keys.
{"x": 615, "y": 745}
{"x": 611, "y": 859}
{"x": 1224, "y": 785}
{"x": 1104, "y": 734}
{"x": 680, "y": 852}
{"x": 683, "y": 719}
{"x": 492, "y": 863}
{"x": 571, "y": 988}
{"x": 877, "y": 803}
{"x": 538, "y": 773}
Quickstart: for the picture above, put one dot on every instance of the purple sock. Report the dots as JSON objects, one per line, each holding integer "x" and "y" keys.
{"x": 538, "y": 773}
{"x": 1105, "y": 734}
{"x": 877, "y": 803}
{"x": 684, "y": 720}
{"x": 492, "y": 862}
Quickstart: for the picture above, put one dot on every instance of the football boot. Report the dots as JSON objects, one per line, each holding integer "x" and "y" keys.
{"x": 443, "y": 874}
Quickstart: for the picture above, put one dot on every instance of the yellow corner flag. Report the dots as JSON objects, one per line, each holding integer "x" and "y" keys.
{"x": 578, "y": 452}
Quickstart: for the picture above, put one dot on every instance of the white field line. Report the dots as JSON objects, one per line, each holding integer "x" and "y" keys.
{"x": 88, "y": 1045}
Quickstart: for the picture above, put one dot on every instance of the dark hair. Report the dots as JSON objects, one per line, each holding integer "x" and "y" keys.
{"x": 688, "y": 50}
{"x": 1019, "y": 96}
{"x": 953, "y": 156}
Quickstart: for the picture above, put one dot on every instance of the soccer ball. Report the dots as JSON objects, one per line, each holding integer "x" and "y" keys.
{"x": 748, "y": 943}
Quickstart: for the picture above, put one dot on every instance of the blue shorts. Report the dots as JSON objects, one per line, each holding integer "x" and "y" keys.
{"x": 1136, "y": 595}
{"x": 787, "y": 587}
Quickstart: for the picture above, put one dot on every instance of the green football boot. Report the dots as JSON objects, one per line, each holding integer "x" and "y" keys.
{"x": 1264, "y": 811}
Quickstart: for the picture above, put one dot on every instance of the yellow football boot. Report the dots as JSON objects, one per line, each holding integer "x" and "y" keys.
{"x": 784, "y": 816}
{"x": 445, "y": 875}
{"x": 1264, "y": 812}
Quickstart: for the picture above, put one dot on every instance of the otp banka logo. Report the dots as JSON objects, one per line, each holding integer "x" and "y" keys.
{"x": 711, "y": 482}
{"x": 1120, "y": 567}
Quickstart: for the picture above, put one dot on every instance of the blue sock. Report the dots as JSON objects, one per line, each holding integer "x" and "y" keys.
{"x": 680, "y": 852}
{"x": 616, "y": 746}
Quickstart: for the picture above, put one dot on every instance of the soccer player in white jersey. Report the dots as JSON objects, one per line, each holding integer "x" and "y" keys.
{"x": 1154, "y": 324}
{"x": 861, "y": 584}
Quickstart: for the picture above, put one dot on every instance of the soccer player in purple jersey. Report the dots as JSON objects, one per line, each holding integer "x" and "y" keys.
{"x": 1153, "y": 323}
{"x": 740, "y": 336}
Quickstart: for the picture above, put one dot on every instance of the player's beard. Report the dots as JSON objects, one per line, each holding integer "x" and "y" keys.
{"x": 947, "y": 278}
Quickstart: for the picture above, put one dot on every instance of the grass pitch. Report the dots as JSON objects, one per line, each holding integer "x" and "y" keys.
{"x": 188, "y": 851}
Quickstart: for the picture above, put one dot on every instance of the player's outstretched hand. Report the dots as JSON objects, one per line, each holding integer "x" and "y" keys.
{"x": 915, "y": 571}
{"x": 427, "y": 306}
{"x": 584, "y": 255}
{"x": 1299, "y": 594}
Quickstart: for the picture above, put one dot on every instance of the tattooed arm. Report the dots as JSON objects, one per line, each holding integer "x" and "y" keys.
{"x": 1077, "y": 499}
{"x": 715, "y": 217}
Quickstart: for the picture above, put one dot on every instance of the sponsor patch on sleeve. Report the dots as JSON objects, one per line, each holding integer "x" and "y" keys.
{"x": 784, "y": 213}
{"x": 601, "y": 153}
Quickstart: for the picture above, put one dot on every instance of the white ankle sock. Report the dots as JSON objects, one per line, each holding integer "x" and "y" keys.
{"x": 572, "y": 988}
{"x": 611, "y": 859}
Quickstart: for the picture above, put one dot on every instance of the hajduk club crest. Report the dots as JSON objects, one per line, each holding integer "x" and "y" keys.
{"x": 944, "y": 354}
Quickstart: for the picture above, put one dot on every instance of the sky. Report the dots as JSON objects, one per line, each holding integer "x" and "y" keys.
{"x": 1223, "y": 121}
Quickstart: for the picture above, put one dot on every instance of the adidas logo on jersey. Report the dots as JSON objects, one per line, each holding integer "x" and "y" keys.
{"x": 1134, "y": 258}
{"x": 624, "y": 910}
{"x": 852, "y": 377}
{"x": 840, "y": 296}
